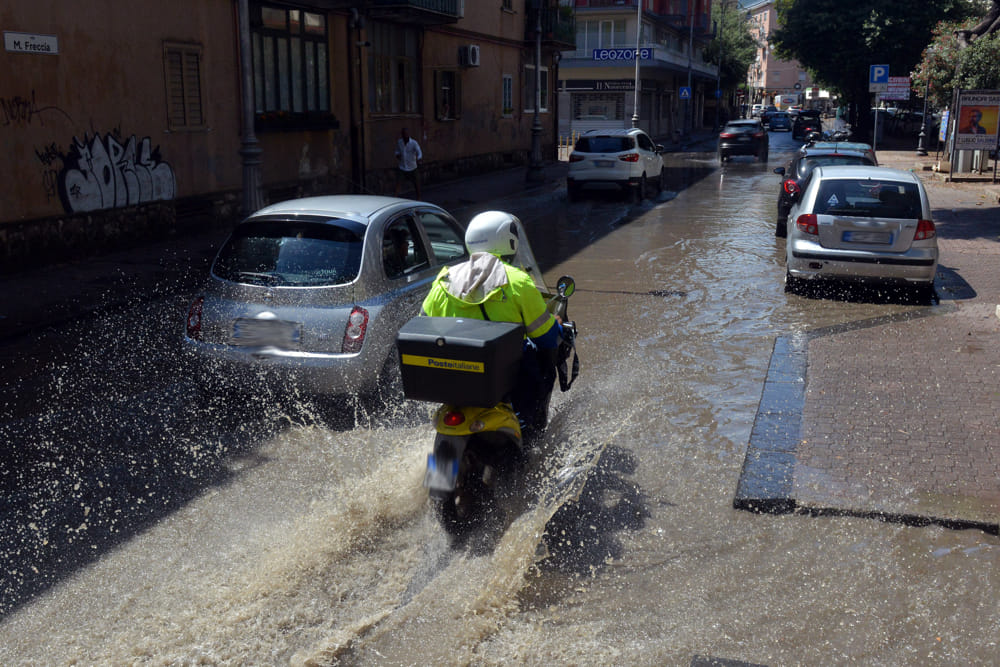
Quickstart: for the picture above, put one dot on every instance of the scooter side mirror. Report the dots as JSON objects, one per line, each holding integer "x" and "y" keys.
{"x": 566, "y": 286}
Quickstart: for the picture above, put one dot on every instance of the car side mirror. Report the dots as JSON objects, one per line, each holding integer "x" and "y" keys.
{"x": 660, "y": 148}
{"x": 780, "y": 171}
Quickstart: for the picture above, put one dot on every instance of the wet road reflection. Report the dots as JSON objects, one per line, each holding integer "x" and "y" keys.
{"x": 624, "y": 547}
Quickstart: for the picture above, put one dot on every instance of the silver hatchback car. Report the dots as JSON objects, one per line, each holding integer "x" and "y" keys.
{"x": 308, "y": 295}
{"x": 862, "y": 223}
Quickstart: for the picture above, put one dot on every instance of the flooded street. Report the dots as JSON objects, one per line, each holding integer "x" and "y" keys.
{"x": 262, "y": 535}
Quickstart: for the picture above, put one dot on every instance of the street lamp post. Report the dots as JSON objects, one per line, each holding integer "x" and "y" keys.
{"x": 638, "y": 35}
{"x": 921, "y": 145}
{"x": 535, "y": 170}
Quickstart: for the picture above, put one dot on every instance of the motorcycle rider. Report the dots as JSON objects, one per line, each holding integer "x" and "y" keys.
{"x": 487, "y": 287}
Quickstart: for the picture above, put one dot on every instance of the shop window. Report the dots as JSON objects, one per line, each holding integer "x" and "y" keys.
{"x": 182, "y": 72}
{"x": 291, "y": 69}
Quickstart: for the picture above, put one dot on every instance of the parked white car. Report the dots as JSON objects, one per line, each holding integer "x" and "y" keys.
{"x": 862, "y": 223}
{"x": 624, "y": 158}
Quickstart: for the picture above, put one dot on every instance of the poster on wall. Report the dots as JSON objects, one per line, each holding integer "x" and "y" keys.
{"x": 977, "y": 119}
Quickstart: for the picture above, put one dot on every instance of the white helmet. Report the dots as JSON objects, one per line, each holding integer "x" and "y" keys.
{"x": 495, "y": 232}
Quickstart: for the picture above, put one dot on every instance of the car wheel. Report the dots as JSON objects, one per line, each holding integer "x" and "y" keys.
{"x": 792, "y": 284}
{"x": 763, "y": 156}
{"x": 661, "y": 181}
{"x": 639, "y": 193}
{"x": 781, "y": 229}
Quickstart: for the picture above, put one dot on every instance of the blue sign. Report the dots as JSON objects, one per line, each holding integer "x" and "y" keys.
{"x": 878, "y": 74}
{"x": 622, "y": 54}
{"x": 685, "y": 92}
{"x": 718, "y": 93}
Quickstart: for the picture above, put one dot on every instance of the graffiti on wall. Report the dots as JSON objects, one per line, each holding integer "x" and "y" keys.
{"x": 17, "y": 110}
{"x": 102, "y": 173}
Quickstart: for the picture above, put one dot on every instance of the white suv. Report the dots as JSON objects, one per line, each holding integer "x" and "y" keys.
{"x": 626, "y": 158}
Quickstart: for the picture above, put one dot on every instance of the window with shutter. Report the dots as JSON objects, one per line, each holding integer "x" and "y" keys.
{"x": 182, "y": 71}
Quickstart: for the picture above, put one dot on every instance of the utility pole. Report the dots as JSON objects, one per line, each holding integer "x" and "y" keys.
{"x": 250, "y": 149}
{"x": 638, "y": 35}
{"x": 536, "y": 173}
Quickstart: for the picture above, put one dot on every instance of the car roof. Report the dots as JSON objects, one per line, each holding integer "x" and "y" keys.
{"x": 359, "y": 208}
{"x": 864, "y": 171}
{"x": 614, "y": 132}
{"x": 744, "y": 121}
{"x": 838, "y": 145}
{"x": 825, "y": 150}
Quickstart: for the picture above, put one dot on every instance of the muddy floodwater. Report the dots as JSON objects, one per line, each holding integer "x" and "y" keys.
{"x": 314, "y": 544}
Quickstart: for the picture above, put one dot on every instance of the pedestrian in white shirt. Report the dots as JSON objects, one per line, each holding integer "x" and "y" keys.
{"x": 409, "y": 155}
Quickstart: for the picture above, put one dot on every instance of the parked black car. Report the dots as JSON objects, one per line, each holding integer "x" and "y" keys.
{"x": 743, "y": 137}
{"x": 801, "y": 167}
{"x": 808, "y": 120}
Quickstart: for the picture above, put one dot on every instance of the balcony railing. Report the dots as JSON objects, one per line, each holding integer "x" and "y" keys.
{"x": 558, "y": 26}
{"x": 422, "y": 12}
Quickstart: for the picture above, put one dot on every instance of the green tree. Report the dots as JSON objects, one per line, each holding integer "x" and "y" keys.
{"x": 839, "y": 40}
{"x": 961, "y": 55}
{"x": 733, "y": 48}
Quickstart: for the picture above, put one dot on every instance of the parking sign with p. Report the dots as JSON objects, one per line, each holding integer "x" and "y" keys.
{"x": 878, "y": 78}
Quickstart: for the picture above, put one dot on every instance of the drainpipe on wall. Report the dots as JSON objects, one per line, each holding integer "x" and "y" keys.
{"x": 250, "y": 150}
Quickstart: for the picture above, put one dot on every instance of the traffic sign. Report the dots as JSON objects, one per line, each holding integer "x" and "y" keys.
{"x": 718, "y": 93}
{"x": 878, "y": 78}
{"x": 685, "y": 92}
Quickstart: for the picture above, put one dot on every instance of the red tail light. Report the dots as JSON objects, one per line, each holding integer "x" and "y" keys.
{"x": 194, "y": 318}
{"x": 631, "y": 157}
{"x": 727, "y": 135}
{"x": 925, "y": 230}
{"x": 574, "y": 157}
{"x": 808, "y": 223}
{"x": 791, "y": 187}
{"x": 758, "y": 135}
{"x": 357, "y": 325}
{"x": 453, "y": 418}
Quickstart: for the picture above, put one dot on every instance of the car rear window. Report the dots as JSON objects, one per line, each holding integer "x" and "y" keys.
{"x": 604, "y": 144}
{"x": 868, "y": 198}
{"x": 808, "y": 164}
{"x": 290, "y": 254}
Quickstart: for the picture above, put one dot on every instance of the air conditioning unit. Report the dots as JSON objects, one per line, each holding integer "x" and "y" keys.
{"x": 468, "y": 55}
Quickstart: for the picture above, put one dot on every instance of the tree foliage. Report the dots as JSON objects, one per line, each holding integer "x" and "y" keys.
{"x": 953, "y": 60}
{"x": 839, "y": 40}
{"x": 733, "y": 48}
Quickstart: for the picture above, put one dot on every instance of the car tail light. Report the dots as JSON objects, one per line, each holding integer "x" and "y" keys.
{"x": 354, "y": 335}
{"x": 758, "y": 135}
{"x": 791, "y": 187}
{"x": 726, "y": 135}
{"x": 925, "y": 230}
{"x": 575, "y": 157}
{"x": 453, "y": 418}
{"x": 808, "y": 223}
{"x": 194, "y": 318}
{"x": 631, "y": 157}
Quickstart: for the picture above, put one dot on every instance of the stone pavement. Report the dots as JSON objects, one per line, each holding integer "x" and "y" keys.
{"x": 896, "y": 418}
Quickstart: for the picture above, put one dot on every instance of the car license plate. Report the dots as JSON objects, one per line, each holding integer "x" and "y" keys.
{"x": 604, "y": 164}
{"x": 868, "y": 237}
{"x": 744, "y": 138}
{"x": 260, "y": 333}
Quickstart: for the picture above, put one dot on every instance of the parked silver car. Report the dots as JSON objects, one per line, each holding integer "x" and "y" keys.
{"x": 862, "y": 223}
{"x": 308, "y": 295}
{"x": 626, "y": 158}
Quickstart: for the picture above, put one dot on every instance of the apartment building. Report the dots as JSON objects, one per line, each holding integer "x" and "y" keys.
{"x": 600, "y": 84}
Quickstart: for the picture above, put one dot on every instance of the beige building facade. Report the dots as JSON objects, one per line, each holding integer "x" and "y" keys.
{"x": 771, "y": 80}
{"x": 148, "y": 118}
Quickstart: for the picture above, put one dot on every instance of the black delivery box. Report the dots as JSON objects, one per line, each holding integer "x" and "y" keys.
{"x": 458, "y": 360}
